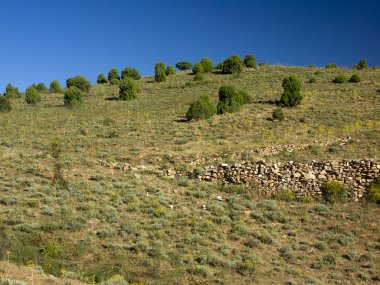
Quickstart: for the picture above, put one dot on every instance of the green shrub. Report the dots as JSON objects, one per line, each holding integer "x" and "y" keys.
{"x": 250, "y": 61}
{"x": 79, "y": 82}
{"x": 230, "y": 100}
{"x": 130, "y": 72}
{"x": 73, "y": 97}
{"x": 198, "y": 68}
{"x": 263, "y": 64}
{"x": 354, "y": 79}
{"x": 55, "y": 87}
{"x": 361, "y": 65}
{"x": 374, "y": 191}
{"x": 341, "y": 78}
{"x": 333, "y": 191}
{"x": 32, "y": 96}
{"x": 375, "y": 67}
{"x": 170, "y": 70}
{"x": 202, "y": 108}
{"x": 102, "y": 79}
{"x": 41, "y": 87}
{"x": 12, "y": 92}
{"x": 331, "y": 66}
{"x": 291, "y": 96}
{"x": 128, "y": 89}
{"x": 247, "y": 99}
{"x": 113, "y": 74}
{"x": 312, "y": 80}
{"x": 285, "y": 195}
{"x": 199, "y": 76}
{"x": 183, "y": 65}
{"x": 311, "y": 65}
{"x": 160, "y": 75}
{"x": 114, "y": 81}
{"x": 207, "y": 64}
{"x": 233, "y": 64}
{"x": 278, "y": 114}
{"x": 5, "y": 104}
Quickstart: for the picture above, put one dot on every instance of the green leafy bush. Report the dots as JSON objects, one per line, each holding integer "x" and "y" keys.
{"x": 79, "y": 82}
{"x": 207, "y": 64}
{"x": 233, "y": 64}
{"x": 199, "y": 77}
{"x": 285, "y": 195}
{"x": 102, "y": 79}
{"x": 160, "y": 75}
{"x": 198, "y": 68}
{"x": 361, "y": 65}
{"x": 354, "y": 79}
{"x": 278, "y": 114}
{"x": 73, "y": 97}
{"x": 374, "y": 191}
{"x": 331, "y": 66}
{"x": 12, "y": 92}
{"x": 341, "y": 78}
{"x": 230, "y": 100}
{"x": 247, "y": 99}
{"x": 200, "y": 109}
{"x": 113, "y": 74}
{"x": 291, "y": 96}
{"x": 170, "y": 70}
{"x": 32, "y": 96}
{"x": 184, "y": 65}
{"x": 5, "y": 104}
{"x": 311, "y": 65}
{"x": 250, "y": 61}
{"x": 333, "y": 191}
{"x": 130, "y": 72}
{"x": 114, "y": 81}
{"x": 128, "y": 89}
{"x": 312, "y": 80}
{"x": 41, "y": 87}
{"x": 55, "y": 87}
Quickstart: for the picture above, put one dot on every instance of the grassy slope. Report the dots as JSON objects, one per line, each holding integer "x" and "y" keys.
{"x": 110, "y": 222}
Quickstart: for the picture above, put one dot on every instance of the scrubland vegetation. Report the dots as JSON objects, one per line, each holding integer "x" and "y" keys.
{"x": 67, "y": 208}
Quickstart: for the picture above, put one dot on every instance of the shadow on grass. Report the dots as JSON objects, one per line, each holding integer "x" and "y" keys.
{"x": 112, "y": 98}
{"x": 270, "y": 102}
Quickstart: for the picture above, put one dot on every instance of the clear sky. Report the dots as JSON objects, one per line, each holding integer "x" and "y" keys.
{"x": 43, "y": 40}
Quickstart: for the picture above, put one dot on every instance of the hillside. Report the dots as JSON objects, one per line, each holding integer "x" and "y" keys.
{"x": 118, "y": 212}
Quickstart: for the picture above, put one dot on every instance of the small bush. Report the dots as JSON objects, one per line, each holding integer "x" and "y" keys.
{"x": 55, "y": 87}
{"x": 311, "y": 65}
{"x": 374, "y": 191}
{"x": 73, "y": 97}
{"x": 11, "y": 92}
{"x": 375, "y": 67}
{"x": 114, "y": 81}
{"x": 5, "y": 104}
{"x": 250, "y": 61}
{"x": 285, "y": 195}
{"x": 230, "y": 100}
{"x": 113, "y": 74}
{"x": 354, "y": 79}
{"x": 79, "y": 82}
{"x": 233, "y": 64}
{"x": 41, "y": 87}
{"x": 199, "y": 77}
{"x": 263, "y": 64}
{"x": 130, "y": 72}
{"x": 198, "y": 68}
{"x": 32, "y": 96}
{"x": 341, "y": 78}
{"x": 102, "y": 79}
{"x": 361, "y": 65}
{"x": 207, "y": 64}
{"x": 247, "y": 99}
{"x": 201, "y": 109}
{"x": 312, "y": 80}
{"x": 128, "y": 89}
{"x": 331, "y": 66}
{"x": 183, "y": 65}
{"x": 291, "y": 96}
{"x": 170, "y": 70}
{"x": 278, "y": 114}
{"x": 160, "y": 75}
{"x": 333, "y": 191}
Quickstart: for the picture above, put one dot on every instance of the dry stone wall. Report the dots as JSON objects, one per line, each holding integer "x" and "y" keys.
{"x": 304, "y": 179}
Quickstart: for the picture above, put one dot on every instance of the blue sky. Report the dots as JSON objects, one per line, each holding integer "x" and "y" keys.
{"x": 43, "y": 40}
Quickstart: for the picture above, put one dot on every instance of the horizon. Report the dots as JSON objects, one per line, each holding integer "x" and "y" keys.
{"x": 98, "y": 37}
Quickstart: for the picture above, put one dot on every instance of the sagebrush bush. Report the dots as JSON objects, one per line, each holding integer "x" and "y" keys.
{"x": 113, "y": 74}
{"x": 55, "y": 87}
{"x": 278, "y": 114}
{"x": 202, "y": 108}
{"x": 230, "y": 100}
{"x": 373, "y": 193}
{"x": 233, "y": 64}
{"x": 291, "y": 96}
{"x": 102, "y": 79}
{"x": 12, "y": 92}
{"x": 128, "y": 89}
{"x": 198, "y": 68}
{"x": 250, "y": 61}
{"x": 341, "y": 78}
{"x": 184, "y": 65}
{"x": 207, "y": 64}
{"x": 333, "y": 191}
{"x": 354, "y": 79}
{"x": 79, "y": 82}
{"x": 73, "y": 97}
{"x": 130, "y": 72}
{"x": 32, "y": 96}
{"x": 199, "y": 77}
{"x": 5, "y": 104}
{"x": 170, "y": 70}
{"x": 331, "y": 66}
{"x": 361, "y": 65}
